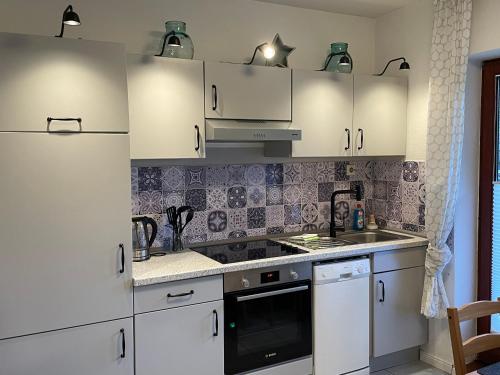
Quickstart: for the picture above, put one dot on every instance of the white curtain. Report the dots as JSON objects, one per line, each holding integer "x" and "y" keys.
{"x": 449, "y": 56}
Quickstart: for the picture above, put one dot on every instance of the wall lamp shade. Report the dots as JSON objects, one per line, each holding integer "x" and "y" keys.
{"x": 172, "y": 40}
{"x": 345, "y": 60}
{"x": 404, "y": 65}
{"x": 275, "y": 53}
{"x": 70, "y": 18}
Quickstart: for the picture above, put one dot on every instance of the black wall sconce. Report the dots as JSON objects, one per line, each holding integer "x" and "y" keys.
{"x": 70, "y": 18}
{"x": 344, "y": 60}
{"x": 404, "y": 65}
{"x": 172, "y": 39}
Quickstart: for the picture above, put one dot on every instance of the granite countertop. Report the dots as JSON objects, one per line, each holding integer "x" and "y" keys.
{"x": 189, "y": 264}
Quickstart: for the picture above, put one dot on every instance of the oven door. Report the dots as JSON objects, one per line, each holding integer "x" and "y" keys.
{"x": 266, "y": 326}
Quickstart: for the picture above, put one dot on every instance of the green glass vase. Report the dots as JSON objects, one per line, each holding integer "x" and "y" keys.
{"x": 186, "y": 49}
{"x": 339, "y": 49}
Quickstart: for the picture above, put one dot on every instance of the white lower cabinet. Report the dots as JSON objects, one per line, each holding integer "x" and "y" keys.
{"x": 97, "y": 349}
{"x": 181, "y": 341}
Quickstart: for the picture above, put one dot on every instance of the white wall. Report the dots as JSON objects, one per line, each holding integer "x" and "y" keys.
{"x": 407, "y": 32}
{"x": 221, "y": 29}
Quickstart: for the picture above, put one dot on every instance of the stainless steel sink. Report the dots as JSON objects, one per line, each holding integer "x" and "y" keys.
{"x": 371, "y": 236}
{"x": 346, "y": 239}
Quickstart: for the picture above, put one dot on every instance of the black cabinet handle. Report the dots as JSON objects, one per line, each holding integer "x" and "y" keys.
{"x": 362, "y": 138}
{"x": 197, "y": 137}
{"x": 348, "y": 139}
{"x": 383, "y": 291}
{"x": 122, "y": 331}
{"x": 216, "y": 316}
{"x": 64, "y": 119}
{"x": 122, "y": 248}
{"x": 190, "y": 293}
{"x": 214, "y": 97}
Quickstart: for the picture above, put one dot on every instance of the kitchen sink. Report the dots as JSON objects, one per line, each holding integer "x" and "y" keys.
{"x": 371, "y": 236}
{"x": 323, "y": 241}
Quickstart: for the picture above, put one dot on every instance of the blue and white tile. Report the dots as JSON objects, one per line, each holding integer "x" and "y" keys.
{"x": 134, "y": 179}
{"x": 255, "y": 232}
{"x": 274, "y": 174}
{"x": 421, "y": 214}
{"x": 309, "y": 192}
{"x": 217, "y": 176}
{"x": 394, "y": 170}
{"x": 394, "y": 211}
{"x": 410, "y": 192}
{"x": 341, "y": 171}
{"x": 197, "y": 198}
{"x": 173, "y": 178}
{"x": 237, "y": 234}
{"x": 361, "y": 185}
{"x": 173, "y": 198}
{"x": 380, "y": 209}
{"x": 256, "y": 196}
{"x": 293, "y": 228}
{"x": 324, "y": 212}
{"x": 309, "y": 172}
{"x": 196, "y": 177}
{"x": 236, "y": 175}
{"x": 326, "y": 171}
{"x": 292, "y": 215}
{"x": 410, "y": 213}
{"x": 256, "y": 217}
{"x": 275, "y": 230}
{"x": 394, "y": 191}
{"x": 275, "y": 216}
{"x": 149, "y": 179}
{"x": 380, "y": 190}
{"x": 274, "y": 195}
{"x": 237, "y": 197}
{"x": 309, "y": 227}
{"x": 217, "y": 198}
{"x": 255, "y": 174}
{"x": 310, "y": 213}
{"x": 410, "y": 171}
{"x": 150, "y": 202}
{"x": 237, "y": 219}
{"x": 198, "y": 226}
{"x": 292, "y": 194}
{"x": 292, "y": 173}
{"x": 217, "y": 221}
{"x": 342, "y": 210}
{"x": 136, "y": 206}
{"x": 325, "y": 191}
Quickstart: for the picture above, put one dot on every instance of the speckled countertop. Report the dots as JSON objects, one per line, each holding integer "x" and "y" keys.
{"x": 189, "y": 264}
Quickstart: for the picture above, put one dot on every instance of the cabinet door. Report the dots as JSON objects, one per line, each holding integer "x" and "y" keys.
{"x": 397, "y": 310}
{"x": 379, "y": 115}
{"x": 64, "y": 212}
{"x": 166, "y": 108}
{"x": 247, "y": 92}
{"x": 322, "y": 108}
{"x": 91, "y": 349}
{"x": 181, "y": 341}
{"x": 62, "y": 78}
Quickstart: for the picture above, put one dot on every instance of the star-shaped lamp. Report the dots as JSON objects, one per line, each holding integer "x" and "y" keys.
{"x": 275, "y": 54}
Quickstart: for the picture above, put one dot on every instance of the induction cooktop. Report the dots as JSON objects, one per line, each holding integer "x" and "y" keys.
{"x": 245, "y": 251}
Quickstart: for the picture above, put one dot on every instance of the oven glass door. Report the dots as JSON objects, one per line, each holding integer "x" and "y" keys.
{"x": 266, "y": 326}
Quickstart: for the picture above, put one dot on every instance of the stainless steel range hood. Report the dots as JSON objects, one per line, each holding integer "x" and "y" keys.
{"x": 250, "y": 131}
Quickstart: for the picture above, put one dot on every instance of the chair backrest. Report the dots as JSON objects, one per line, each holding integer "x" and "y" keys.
{"x": 476, "y": 344}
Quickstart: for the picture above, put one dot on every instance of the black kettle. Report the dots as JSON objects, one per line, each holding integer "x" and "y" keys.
{"x": 142, "y": 239}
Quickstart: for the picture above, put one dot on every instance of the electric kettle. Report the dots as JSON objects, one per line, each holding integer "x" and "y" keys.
{"x": 142, "y": 239}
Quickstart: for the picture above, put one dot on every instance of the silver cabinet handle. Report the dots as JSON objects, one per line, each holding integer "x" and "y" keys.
{"x": 272, "y": 293}
{"x": 348, "y": 131}
{"x": 360, "y": 131}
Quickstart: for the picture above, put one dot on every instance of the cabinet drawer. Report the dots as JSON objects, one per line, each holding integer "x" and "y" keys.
{"x": 177, "y": 293}
{"x": 398, "y": 259}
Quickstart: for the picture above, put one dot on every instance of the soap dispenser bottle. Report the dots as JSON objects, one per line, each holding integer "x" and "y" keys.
{"x": 359, "y": 218}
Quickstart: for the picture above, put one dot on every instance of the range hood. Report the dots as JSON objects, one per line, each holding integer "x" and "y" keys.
{"x": 250, "y": 131}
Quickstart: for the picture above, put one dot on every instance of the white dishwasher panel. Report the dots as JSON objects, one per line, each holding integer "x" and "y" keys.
{"x": 342, "y": 318}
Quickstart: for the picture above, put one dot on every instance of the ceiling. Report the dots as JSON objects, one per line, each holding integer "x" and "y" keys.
{"x": 366, "y": 8}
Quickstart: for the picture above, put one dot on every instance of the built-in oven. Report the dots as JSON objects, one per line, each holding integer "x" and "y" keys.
{"x": 267, "y": 317}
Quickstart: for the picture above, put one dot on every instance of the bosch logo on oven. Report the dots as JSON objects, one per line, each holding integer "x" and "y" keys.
{"x": 271, "y": 355}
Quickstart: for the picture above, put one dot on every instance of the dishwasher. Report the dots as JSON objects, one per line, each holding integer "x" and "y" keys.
{"x": 341, "y": 308}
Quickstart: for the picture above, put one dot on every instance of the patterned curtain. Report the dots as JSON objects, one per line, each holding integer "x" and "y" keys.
{"x": 449, "y": 56}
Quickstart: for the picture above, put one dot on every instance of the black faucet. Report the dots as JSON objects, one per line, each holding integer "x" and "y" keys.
{"x": 333, "y": 227}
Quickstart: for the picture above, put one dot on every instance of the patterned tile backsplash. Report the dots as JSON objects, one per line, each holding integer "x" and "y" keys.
{"x": 236, "y": 201}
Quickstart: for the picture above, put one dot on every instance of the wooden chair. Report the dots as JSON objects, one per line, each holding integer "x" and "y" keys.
{"x": 476, "y": 344}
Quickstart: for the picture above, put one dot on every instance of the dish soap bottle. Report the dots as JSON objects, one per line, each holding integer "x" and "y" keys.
{"x": 359, "y": 218}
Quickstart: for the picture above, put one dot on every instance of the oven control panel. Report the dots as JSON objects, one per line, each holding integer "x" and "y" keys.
{"x": 255, "y": 278}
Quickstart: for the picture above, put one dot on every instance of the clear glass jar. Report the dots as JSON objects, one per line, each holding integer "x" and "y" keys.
{"x": 186, "y": 49}
{"x": 339, "y": 48}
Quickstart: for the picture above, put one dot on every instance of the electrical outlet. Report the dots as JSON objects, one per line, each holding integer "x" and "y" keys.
{"x": 351, "y": 169}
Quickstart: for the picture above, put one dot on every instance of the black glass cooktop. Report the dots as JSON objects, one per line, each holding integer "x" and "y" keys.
{"x": 251, "y": 250}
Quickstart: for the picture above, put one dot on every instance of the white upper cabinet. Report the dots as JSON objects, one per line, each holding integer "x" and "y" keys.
{"x": 66, "y": 253}
{"x": 166, "y": 108}
{"x": 247, "y": 92}
{"x": 45, "y": 77}
{"x": 322, "y": 109}
{"x": 379, "y": 116}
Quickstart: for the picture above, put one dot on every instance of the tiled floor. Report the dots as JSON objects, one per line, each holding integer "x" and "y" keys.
{"x": 415, "y": 368}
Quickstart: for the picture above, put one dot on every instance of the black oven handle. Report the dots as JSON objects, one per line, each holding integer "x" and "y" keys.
{"x": 272, "y": 293}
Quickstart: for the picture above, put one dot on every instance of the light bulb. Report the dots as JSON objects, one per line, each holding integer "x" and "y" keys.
{"x": 268, "y": 52}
